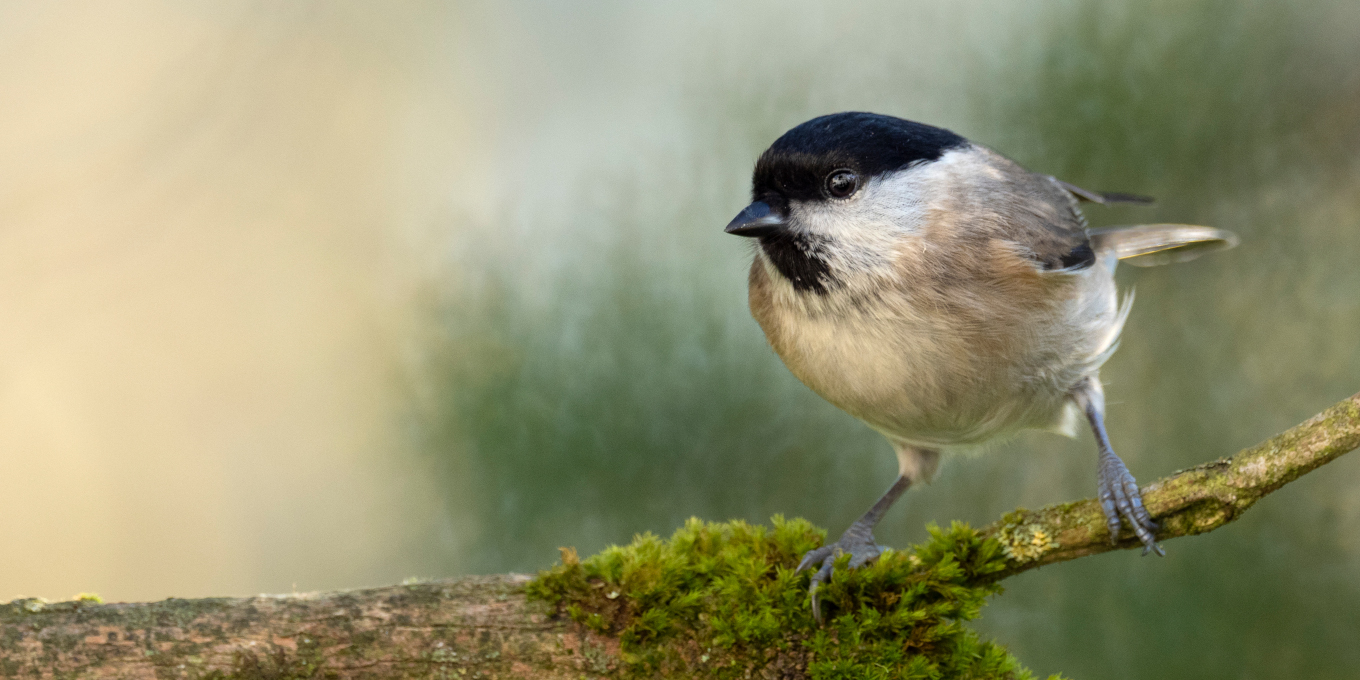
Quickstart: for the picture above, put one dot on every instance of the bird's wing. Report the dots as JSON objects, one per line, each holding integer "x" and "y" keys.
{"x": 1047, "y": 223}
{"x": 1105, "y": 197}
{"x": 1149, "y": 245}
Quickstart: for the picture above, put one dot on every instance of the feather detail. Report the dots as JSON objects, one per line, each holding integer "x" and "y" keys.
{"x": 1150, "y": 245}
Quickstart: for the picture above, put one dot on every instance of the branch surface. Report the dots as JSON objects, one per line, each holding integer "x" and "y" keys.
{"x": 1189, "y": 502}
{"x": 472, "y": 627}
{"x": 483, "y": 627}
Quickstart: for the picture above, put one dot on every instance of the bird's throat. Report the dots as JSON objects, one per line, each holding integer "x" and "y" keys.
{"x": 802, "y": 259}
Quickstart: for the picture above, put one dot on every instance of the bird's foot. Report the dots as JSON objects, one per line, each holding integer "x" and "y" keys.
{"x": 1119, "y": 497}
{"x": 857, "y": 541}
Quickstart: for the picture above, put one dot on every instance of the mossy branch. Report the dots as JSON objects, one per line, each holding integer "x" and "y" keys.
{"x": 1189, "y": 502}
{"x": 716, "y": 600}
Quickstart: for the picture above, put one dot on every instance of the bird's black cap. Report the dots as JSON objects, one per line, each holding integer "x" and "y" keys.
{"x": 797, "y": 164}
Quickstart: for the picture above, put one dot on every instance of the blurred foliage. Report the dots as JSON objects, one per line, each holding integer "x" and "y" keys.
{"x": 599, "y": 376}
{"x": 584, "y": 418}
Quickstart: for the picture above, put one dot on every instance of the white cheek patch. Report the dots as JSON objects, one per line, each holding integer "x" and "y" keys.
{"x": 863, "y": 230}
{"x": 897, "y": 204}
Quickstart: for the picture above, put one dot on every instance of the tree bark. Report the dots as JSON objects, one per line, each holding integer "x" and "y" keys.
{"x": 473, "y": 627}
{"x": 483, "y": 627}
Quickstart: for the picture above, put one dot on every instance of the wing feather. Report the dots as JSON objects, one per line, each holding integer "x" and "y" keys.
{"x": 1105, "y": 197}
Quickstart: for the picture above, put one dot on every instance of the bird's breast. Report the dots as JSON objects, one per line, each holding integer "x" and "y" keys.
{"x": 932, "y": 373}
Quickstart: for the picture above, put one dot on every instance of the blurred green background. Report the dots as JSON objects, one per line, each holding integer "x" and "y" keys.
{"x": 330, "y": 294}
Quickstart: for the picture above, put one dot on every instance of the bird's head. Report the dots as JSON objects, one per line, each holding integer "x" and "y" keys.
{"x": 837, "y": 191}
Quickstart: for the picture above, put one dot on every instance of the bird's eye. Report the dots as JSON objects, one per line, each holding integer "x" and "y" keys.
{"x": 841, "y": 183}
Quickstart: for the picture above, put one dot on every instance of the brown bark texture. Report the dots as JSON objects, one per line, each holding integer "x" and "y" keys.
{"x": 483, "y": 626}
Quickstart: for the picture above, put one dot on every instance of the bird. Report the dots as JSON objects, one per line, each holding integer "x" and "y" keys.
{"x": 945, "y": 296}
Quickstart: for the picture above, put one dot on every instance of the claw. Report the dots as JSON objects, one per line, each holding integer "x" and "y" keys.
{"x": 823, "y": 575}
{"x": 857, "y": 541}
{"x": 1121, "y": 501}
{"x": 815, "y": 557}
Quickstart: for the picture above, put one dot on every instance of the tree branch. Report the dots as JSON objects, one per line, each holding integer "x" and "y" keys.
{"x": 479, "y": 626}
{"x": 1189, "y": 502}
{"x": 484, "y": 627}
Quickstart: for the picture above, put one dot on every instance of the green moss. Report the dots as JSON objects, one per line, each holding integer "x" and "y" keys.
{"x": 722, "y": 600}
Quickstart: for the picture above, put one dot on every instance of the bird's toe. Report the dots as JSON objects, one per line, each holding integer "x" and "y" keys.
{"x": 1121, "y": 501}
{"x": 859, "y": 545}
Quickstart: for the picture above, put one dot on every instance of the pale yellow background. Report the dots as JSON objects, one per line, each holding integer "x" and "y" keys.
{"x": 212, "y": 219}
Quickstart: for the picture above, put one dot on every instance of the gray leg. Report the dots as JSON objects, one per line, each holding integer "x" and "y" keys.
{"x": 1116, "y": 488}
{"x": 858, "y": 540}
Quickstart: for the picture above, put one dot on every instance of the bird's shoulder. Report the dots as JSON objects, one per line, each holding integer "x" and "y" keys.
{"x": 1037, "y": 214}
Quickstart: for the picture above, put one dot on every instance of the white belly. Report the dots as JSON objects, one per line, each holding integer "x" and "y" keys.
{"x": 933, "y": 379}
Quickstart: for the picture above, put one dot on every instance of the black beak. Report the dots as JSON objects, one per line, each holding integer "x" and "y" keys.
{"x": 756, "y": 220}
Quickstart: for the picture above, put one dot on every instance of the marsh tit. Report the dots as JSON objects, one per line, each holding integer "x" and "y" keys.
{"x": 944, "y": 295}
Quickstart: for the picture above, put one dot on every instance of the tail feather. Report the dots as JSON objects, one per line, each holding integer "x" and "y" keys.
{"x": 1149, "y": 245}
